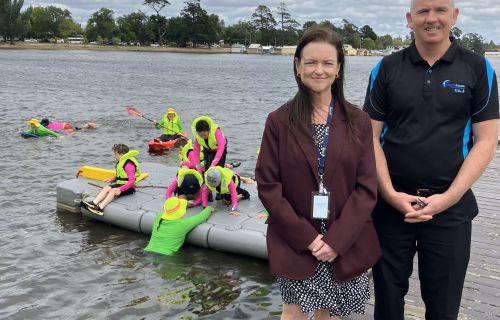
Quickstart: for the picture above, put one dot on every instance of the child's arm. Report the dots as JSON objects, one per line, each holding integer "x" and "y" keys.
{"x": 171, "y": 189}
{"x": 196, "y": 155}
{"x": 221, "y": 146}
{"x": 234, "y": 198}
{"x": 130, "y": 170}
{"x": 198, "y": 198}
{"x": 204, "y": 196}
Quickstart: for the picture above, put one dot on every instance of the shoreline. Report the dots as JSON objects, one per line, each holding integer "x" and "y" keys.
{"x": 91, "y": 47}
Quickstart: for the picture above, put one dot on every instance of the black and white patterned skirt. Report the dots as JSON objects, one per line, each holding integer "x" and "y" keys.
{"x": 321, "y": 291}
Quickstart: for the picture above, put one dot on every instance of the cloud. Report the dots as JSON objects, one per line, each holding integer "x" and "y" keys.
{"x": 384, "y": 16}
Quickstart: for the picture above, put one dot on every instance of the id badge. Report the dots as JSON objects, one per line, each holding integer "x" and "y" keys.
{"x": 320, "y": 205}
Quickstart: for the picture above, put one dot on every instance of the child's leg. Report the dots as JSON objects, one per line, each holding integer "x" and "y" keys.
{"x": 104, "y": 192}
{"x": 111, "y": 195}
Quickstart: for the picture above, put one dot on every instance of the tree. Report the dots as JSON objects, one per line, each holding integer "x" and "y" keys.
{"x": 288, "y": 32}
{"x": 367, "y": 33}
{"x": 264, "y": 22}
{"x": 157, "y": 6}
{"x": 55, "y": 17}
{"x": 242, "y": 32}
{"x": 177, "y": 31}
{"x": 101, "y": 23}
{"x": 134, "y": 27}
{"x": 10, "y": 11}
{"x": 455, "y": 32}
{"x": 384, "y": 41}
{"x": 351, "y": 34}
{"x": 214, "y": 29}
{"x": 69, "y": 28}
{"x": 196, "y": 21}
{"x": 474, "y": 42}
{"x": 25, "y": 27}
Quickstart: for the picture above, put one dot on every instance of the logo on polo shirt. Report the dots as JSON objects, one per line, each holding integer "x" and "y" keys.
{"x": 457, "y": 88}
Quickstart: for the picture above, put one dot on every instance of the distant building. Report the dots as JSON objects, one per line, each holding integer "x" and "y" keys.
{"x": 76, "y": 40}
{"x": 349, "y": 50}
{"x": 255, "y": 48}
{"x": 288, "y": 50}
{"x": 492, "y": 54}
{"x": 238, "y": 48}
{"x": 268, "y": 50}
{"x": 362, "y": 52}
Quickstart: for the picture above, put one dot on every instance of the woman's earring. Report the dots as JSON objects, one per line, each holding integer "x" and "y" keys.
{"x": 298, "y": 74}
{"x": 337, "y": 76}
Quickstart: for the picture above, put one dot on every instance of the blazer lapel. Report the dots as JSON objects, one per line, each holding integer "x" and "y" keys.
{"x": 336, "y": 143}
{"x": 309, "y": 149}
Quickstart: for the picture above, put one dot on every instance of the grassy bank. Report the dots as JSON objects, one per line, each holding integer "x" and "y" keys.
{"x": 51, "y": 46}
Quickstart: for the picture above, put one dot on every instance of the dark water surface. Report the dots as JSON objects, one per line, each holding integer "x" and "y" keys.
{"x": 57, "y": 265}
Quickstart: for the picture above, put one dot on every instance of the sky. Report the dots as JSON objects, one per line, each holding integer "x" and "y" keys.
{"x": 384, "y": 16}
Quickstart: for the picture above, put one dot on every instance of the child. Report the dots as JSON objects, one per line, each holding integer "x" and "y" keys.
{"x": 225, "y": 182}
{"x": 127, "y": 171}
{"x": 208, "y": 135}
{"x": 171, "y": 124}
{"x": 186, "y": 154}
{"x": 37, "y": 129}
{"x": 60, "y": 126}
{"x": 170, "y": 229}
{"x": 187, "y": 185}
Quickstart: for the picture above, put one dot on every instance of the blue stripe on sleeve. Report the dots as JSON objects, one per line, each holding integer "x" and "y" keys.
{"x": 382, "y": 134}
{"x": 489, "y": 73}
{"x": 374, "y": 74}
{"x": 466, "y": 139}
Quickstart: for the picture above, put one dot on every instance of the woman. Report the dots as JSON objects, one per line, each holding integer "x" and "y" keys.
{"x": 319, "y": 145}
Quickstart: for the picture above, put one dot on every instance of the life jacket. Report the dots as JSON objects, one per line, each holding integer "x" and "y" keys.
{"x": 212, "y": 142}
{"x": 41, "y": 131}
{"x": 227, "y": 175}
{"x": 188, "y": 147}
{"x": 181, "y": 173}
{"x": 171, "y": 126}
{"x": 121, "y": 175}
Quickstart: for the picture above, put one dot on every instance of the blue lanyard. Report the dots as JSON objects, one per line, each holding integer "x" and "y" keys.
{"x": 322, "y": 155}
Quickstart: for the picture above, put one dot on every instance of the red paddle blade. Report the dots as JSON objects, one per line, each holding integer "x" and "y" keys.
{"x": 133, "y": 111}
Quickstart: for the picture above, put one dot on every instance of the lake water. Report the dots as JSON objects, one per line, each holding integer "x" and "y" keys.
{"x": 57, "y": 265}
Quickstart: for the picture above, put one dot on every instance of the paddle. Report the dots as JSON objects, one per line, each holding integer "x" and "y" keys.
{"x": 134, "y": 112}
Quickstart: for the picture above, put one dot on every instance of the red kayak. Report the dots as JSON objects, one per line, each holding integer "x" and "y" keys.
{"x": 156, "y": 144}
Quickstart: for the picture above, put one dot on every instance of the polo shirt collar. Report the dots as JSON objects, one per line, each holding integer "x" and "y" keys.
{"x": 449, "y": 55}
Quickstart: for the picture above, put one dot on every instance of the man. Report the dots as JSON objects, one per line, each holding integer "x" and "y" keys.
{"x": 434, "y": 110}
{"x": 171, "y": 124}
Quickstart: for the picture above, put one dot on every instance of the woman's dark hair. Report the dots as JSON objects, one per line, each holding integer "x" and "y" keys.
{"x": 44, "y": 122}
{"x": 202, "y": 125}
{"x": 299, "y": 110}
{"x": 120, "y": 148}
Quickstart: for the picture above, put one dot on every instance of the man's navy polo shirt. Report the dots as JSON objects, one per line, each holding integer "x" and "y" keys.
{"x": 428, "y": 113}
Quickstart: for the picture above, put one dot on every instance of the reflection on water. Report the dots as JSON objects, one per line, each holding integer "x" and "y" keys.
{"x": 56, "y": 265}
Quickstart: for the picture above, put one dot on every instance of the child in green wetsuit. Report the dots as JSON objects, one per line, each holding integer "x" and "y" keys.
{"x": 170, "y": 229}
{"x": 37, "y": 129}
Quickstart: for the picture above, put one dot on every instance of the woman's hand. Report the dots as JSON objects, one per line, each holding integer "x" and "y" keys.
{"x": 117, "y": 191}
{"x": 325, "y": 253}
{"x": 108, "y": 180}
{"x": 316, "y": 244}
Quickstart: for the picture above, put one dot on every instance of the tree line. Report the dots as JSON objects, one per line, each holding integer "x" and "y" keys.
{"x": 194, "y": 26}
